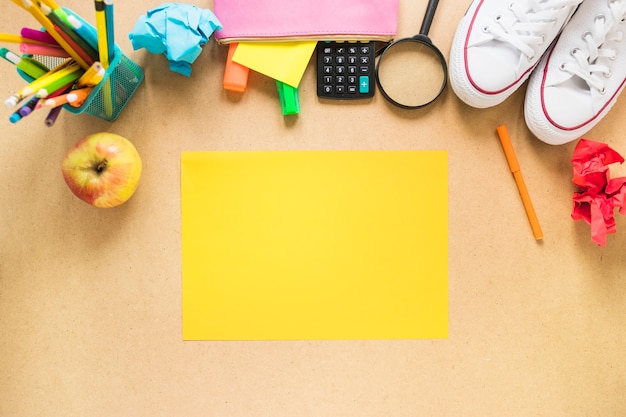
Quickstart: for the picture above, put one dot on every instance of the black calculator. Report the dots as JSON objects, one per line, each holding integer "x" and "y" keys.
{"x": 345, "y": 70}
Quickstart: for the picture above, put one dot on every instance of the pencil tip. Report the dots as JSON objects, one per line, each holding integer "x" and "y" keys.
{"x": 10, "y": 102}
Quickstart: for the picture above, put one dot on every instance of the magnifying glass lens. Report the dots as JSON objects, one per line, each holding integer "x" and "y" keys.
{"x": 411, "y": 73}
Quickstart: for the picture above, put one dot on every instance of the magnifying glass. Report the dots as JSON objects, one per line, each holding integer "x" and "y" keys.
{"x": 412, "y": 72}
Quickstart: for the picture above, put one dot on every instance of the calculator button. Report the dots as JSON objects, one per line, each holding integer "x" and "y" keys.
{"x": 364, "y": 84}
{"x": 351, "y": 69}
{"x": 340, "y": 79}
{"x": 352, "y": 89}
{"x": 328, "y": 69}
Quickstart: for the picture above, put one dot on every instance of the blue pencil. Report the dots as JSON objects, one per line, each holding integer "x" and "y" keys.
{"x": 108, "y": 13}
{"x": 86, "y": 32}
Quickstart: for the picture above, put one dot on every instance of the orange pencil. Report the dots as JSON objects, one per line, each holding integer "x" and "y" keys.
{"x": 511, "y": 158}
{"x": 74, "y": 98}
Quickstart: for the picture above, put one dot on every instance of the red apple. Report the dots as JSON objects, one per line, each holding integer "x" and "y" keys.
{"x": 102, "y": 169}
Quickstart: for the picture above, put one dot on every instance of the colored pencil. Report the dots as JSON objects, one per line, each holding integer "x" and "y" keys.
{"x": 51, "y": 118}
{"x": 29, "y": 66}
{"x": 103, "y": 49}
{"x": 51, "y": 4}
{"x": 24, "y": 110}
{"x": 101, "y": 27}
{"x": 57, "y": 93}
{"x": 42, "y": 82}
{"x": 74, "y": 98}
{"x": 7, "y": 37}
{"x": 57, "y": 84}
{"x": 108, "y": 14}
{"x": 87, "y": 33}
{"x": 49, "y": 27}
{"x": 28, "y": 108}
{"x": 92, "y": 76}
{"x": 44, "y": 50}
{"x": 66, "y": 30}
{"x": 80, "y": 51}
{"x": 38, "y": 35}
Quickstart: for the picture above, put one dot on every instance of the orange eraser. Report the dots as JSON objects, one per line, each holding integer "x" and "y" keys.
{"x": 235, "y": 75}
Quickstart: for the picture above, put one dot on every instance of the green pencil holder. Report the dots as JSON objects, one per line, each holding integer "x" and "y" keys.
{"x": 110, "y": 96}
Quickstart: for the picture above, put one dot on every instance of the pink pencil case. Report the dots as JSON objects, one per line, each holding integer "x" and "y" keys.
{"x": 274, "y": 20}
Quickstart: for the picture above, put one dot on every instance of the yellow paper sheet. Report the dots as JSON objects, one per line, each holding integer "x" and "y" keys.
{"x": 314, "y": 245}
{"x": 283, "y": 61}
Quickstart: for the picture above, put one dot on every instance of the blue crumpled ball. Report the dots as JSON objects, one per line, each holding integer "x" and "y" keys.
{"x": 177, "y": 30}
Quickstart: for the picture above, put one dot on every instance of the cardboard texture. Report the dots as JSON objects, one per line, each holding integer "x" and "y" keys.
{"x": 91, "y": 300}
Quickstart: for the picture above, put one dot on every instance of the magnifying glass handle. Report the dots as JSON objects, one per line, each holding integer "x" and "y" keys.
{"x": 428, "y": 16}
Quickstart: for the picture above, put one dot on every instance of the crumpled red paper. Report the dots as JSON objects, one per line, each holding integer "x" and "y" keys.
{"x": 598, "y": 195}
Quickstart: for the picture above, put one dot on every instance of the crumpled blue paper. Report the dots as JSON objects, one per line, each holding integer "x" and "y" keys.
{"x": 177, "y": 30}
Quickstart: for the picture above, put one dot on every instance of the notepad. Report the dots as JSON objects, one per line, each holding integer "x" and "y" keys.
{"x": 267, "y": 20}
{"x": 314, "y": 245}
{"x": 283, "y": 61}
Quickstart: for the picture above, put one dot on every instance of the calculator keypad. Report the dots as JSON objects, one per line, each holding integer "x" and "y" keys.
{"x": 345, "y": 70}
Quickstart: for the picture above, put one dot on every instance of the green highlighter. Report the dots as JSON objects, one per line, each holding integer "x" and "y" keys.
{"x": 289, "y": 101}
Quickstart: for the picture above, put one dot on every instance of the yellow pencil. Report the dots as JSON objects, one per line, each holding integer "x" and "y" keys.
{"x": 101, "y": 27}
{"x": 103, "y": 49}
{"x": 51, "y": 4}
{"x": 92, "y": 76}
{"x": 7, "y": 37}
{"x": 49, "y": 27}
{"x": 40, "y": 83}
{"x": 511, "y": 158}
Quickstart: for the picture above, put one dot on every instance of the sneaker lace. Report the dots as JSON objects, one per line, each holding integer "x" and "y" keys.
{"x": 586, "y": 65}
{"x": 531, "y": 20}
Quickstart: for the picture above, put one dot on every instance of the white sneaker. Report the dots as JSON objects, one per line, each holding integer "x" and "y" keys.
{"x": 499, "y": 42}
{"x": 576, "y": 84}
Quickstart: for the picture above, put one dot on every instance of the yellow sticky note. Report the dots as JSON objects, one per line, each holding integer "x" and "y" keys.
{"x": 322, "y": 245}
{"x": 283, "y": 61}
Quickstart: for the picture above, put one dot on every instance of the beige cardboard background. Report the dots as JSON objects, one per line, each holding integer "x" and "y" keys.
{"x": 90, "y": 314}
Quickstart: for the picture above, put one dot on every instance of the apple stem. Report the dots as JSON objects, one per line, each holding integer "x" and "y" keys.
{"x": 101, "y": 166}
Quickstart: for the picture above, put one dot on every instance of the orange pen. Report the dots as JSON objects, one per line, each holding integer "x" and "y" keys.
{"x": 511, "y": 158}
